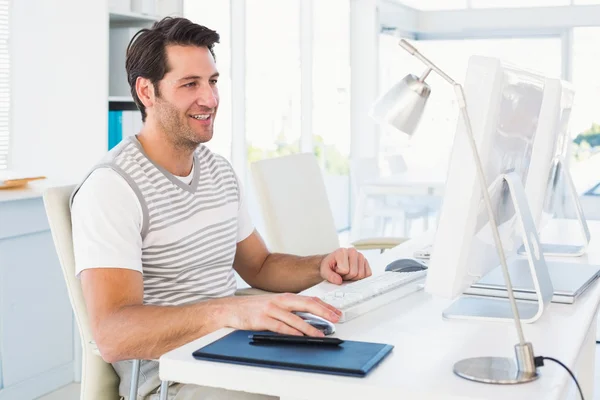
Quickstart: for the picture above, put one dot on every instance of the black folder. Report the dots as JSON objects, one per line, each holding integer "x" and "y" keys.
{"x": 351, "y": 358}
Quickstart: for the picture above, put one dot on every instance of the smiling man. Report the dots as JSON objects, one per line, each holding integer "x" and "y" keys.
{"x": 161, "y": 224}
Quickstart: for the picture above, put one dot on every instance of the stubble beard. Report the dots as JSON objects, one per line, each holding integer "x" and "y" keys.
{"x": 177, "y": 129}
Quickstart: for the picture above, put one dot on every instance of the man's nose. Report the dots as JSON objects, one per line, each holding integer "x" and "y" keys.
{"x": 208, "y": 98}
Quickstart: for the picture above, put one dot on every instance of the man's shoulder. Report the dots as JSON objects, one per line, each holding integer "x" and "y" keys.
{"x": 210, "y": 157}
{"x": 103, "y": 177}
{"x": 106, "y": 181}
{"x": 121, "y": 153}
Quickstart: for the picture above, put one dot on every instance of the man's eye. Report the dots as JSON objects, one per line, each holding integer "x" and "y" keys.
{"x": 189, "y": 85}
{"x": 213, "y": 81}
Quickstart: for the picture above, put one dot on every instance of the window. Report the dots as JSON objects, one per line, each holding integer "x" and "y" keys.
{"x": 4, "y": 85}
{"x": 272, "y": 78}
{"x": 585, "y": 119}
{"x": 331, "y": 101}
{"x": 431, "y": 143}
{"x": 331, "y": 84}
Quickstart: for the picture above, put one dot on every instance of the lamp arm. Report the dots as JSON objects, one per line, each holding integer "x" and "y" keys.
{"x": 412, "y": 50}
{"x": 460, "y": 96}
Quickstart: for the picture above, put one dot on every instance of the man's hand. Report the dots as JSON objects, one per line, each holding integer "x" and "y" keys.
{"x": 274, "y": 313}
{"x": 345, "y": 265}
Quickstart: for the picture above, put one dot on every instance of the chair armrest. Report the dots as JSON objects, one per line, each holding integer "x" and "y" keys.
{"x": 251, "y": 292}
{"x": 378, "y": 243}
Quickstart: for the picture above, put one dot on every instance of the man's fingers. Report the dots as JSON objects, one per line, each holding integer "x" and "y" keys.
{"x": 341, "y": 258}
{"x": 276, "y": 325}
{"x": 312, "y": 305}
{"x": 368, "y": 271}
{"x": 332, "y": 276}
{"x": 329, "y": 306}
{"x": 361, "y": 268}
{"x": 354, "y": 270}
{"x": 296, "y": 323}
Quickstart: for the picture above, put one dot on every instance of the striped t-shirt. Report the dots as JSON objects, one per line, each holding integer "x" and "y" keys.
{"x": 132, "y": 213}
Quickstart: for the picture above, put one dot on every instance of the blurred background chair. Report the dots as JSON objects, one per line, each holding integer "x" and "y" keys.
{"x": 296, "y": 210}
{"x": 387, "y": 205}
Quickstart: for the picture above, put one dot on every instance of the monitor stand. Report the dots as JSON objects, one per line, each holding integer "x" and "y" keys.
{"x": 490, "y": 308}
{"x": 566, "y": 250}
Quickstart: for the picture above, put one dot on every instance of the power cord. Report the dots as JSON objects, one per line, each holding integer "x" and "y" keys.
{"x": 539, "y": 362}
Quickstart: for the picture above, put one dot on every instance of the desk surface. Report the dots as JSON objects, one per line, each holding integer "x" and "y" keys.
{"x": 426, "y": 348}
{"x": 33, "y": 190}
{"x": 413, "y": 180}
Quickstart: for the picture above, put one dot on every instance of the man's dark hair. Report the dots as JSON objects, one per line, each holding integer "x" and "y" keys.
{"x": 147, "y": 55}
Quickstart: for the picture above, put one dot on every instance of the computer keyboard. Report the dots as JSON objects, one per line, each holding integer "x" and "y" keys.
{"x": 358, "y": 298}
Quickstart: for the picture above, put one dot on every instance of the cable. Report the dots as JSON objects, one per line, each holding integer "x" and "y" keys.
{"x": 539, "y": 362}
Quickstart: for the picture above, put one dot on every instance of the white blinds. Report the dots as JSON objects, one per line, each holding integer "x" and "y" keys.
{"x": 4, "y": 83}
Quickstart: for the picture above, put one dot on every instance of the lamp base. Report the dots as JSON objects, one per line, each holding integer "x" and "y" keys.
{"x": 495, "y": 370}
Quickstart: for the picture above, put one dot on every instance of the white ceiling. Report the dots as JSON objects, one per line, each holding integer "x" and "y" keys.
{"x": 462, "y": 4}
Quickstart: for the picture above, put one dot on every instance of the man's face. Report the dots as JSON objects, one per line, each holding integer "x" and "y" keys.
{"x": 188, "y": 96}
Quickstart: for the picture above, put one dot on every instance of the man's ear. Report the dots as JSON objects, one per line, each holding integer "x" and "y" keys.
{"x": 145, "y": 91}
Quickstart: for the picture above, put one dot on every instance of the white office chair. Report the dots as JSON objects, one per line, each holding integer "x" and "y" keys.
{"x": 296, "y": 210}
{"x": 386, "y": 207}
{"x": 99, "y": 380}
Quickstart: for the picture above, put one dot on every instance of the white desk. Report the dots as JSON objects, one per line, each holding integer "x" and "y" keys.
{"x": 426, "y": 347}
{"x": 418, "y": 181}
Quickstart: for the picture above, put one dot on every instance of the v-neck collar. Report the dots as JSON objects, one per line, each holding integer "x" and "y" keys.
{"x": 187, "y": 187}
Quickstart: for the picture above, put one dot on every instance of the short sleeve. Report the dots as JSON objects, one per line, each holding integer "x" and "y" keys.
{"x": 107, "y": 219}
{"x": 245, "y": 225}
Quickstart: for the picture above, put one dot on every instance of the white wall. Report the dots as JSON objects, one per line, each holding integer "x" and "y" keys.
{"x": 59, "y": 53}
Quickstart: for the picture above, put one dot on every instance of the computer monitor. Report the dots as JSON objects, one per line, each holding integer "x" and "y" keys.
{"x": 504, "y": 104}
{"x": 549, "y": 182}
{"x": 549, "y": 151}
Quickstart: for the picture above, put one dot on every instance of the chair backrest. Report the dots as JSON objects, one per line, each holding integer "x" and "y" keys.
{"x": 362, "y": 170}
{"x": 294, "y": 204}
{"x": 99, "y": 379}
{"x": 396, "y": 164}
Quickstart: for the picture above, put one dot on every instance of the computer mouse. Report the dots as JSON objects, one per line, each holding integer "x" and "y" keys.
{"x": 327, "y": 327}
{"x": 405, "y": 265}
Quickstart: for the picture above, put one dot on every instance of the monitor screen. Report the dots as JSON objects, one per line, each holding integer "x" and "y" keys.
{"x": 504, "y": 104}
{"x": 545, "y": 187}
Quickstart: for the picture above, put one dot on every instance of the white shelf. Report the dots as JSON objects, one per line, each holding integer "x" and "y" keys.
{"x": 120, "y": 98}
{"x": 131, "y": 18}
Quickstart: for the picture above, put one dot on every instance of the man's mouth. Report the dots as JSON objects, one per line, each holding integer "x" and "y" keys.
{"x": 201, "y": 117}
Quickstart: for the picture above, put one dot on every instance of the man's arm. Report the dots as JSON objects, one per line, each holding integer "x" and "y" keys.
{"x": 277, "y": 272}
{"x": 124, "y": 328}
{"x": 106, "y": 220}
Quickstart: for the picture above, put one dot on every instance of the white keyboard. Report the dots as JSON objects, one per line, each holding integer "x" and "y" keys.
{"x": 358, "y": 298}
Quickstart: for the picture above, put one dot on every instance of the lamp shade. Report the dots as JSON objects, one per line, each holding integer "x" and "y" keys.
{"x": 402, "y": 106}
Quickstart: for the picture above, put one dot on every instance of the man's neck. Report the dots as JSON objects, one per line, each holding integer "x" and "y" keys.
{"x": 163, "y": 152}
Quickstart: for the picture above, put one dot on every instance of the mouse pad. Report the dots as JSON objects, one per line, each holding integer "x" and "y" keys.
{"x": 350, "y": 358}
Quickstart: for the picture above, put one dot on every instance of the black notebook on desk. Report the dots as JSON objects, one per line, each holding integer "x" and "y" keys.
{"x": 350, "y": 358}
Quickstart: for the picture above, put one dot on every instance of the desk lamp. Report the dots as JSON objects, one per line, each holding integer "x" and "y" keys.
{"x": 402, "y": 107}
